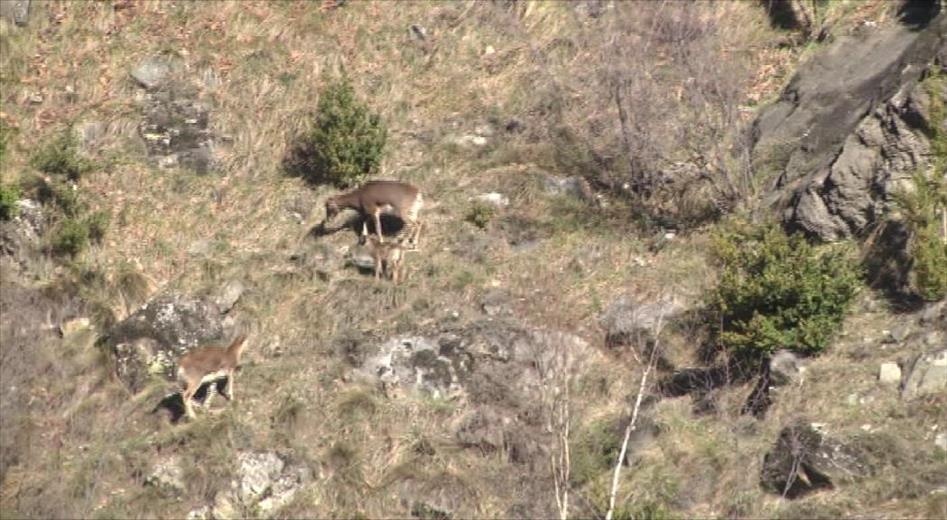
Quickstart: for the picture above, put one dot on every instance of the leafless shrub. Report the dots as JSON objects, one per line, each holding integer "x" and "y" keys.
{"x": 649, "y": 106}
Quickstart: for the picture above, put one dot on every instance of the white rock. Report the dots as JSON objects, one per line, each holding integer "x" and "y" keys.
{"x": 497, "y": 199}
{"x": 72, "y": 326}
{"x": 890, "y": 373}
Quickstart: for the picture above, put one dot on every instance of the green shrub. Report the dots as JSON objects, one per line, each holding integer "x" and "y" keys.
{"x": 778, "y": 291}
{"x": 8, "y": 197}
{"x": 5, "y": 133}
{"x": 480, "y": 214}
{"x": 59, "y": 194}
{"x": 71, "y": 237}
{"x": 98, "y": 224}
{"x": 346, "y": 142}
{"x": 923, "y": 209}
{"x": 60, "y": 156}
{"x": 74, "y": 234}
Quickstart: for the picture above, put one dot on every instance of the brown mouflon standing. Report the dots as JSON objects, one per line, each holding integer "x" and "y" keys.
{"x": 388, "y": 258}
{"x": 376, "y": 197}
{"x": 206, "y": 364}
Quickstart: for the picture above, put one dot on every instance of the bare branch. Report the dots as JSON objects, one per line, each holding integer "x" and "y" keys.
{"x": 634, "y": 418}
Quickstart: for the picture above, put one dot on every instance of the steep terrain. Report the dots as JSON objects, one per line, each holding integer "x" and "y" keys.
{"x": 547, "y": 277}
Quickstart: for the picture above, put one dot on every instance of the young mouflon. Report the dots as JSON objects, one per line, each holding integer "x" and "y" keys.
{"x": 388, "y": 258}
{"x": 376, "y": 197}
{"x": 209, "y": 363}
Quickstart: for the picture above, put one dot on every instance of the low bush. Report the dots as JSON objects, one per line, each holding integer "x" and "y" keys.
{"x": 924, "y": 209}
{"x": 70, "y": 238}
{"x": 480, "y": 214}
{"x": 60, "y": 156}
{"x": 778, "y": 291}
{"x": 9, "y": 194}
{"x": 346, "y": 142}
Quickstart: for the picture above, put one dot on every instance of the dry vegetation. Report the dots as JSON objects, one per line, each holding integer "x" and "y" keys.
{"x": 85, "y": 447}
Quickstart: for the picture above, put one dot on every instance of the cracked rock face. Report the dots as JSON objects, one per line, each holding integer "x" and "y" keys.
{"x": 850, "y": 129}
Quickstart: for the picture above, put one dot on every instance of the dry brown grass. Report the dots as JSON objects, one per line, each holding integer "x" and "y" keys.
{"x": 272, "y": 59}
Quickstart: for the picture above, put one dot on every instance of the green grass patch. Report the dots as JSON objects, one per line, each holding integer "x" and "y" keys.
{"x": 60, "y": 156}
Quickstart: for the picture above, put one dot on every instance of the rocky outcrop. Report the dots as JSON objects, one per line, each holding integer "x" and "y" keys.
{"x": 150, "y": 340}
{"x": 928, "y": 375}
{"x": 805, "y": 460}
{"x": 500, "y": 369}
{"x": 176, "y": 126}
{"x": 20, "y": 237}
{"x": 850, "y": 128}
{"x": 264, "y": 483}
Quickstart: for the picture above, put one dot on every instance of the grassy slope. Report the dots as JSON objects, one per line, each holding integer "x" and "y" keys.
{"x": 272, "y": 59}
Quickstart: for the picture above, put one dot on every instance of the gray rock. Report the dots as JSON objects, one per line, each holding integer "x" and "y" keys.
{"x": 899, "y": 333}
{"x": 16, "y": 11}
{"x": 152, "y": 72}
{"x": 284, "y": 489}
{"x": 21, "y": 236}
{"x": 934, "y": 314}
{"x": 576, "y": 187}
{"x": 628, "y": 321}
{"x": 785, "y": 368}
{"x": 927, "y": 375}
{"x": 805, "y": 459}
{"x": 940, "y": 440}
{"x": 844, "y": 133}
{"x": 361, "y": 257}
{"x": 176, "y": 129}
{"x": 495, "y": 302}
{"x": 167, "y": 476}
{"x": 264, "y": 482}
{"x": 256, "y": 473}
{"x": 889, "y": 374}
{"x": 484, "y": 429}
{"x": 417, "y": 363}
{"x": 228, "y": 295}
{"x": 150, "y": 340}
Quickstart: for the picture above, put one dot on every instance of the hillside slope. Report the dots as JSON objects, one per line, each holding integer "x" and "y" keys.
{"x": 523, "y": 326}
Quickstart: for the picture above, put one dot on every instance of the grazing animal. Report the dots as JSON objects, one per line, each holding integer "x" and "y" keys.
{"x": 388, "y": 258}
{"x": 376, "y": 197}
{"x": 207, "y": 364}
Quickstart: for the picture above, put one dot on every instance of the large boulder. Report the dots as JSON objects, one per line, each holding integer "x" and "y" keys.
{"x": 927, "y": 375}
{"x": 151, "y": 340}
{"x": 629, "y": 320}
{"x": 805, "y": 460}
{"x": 264, "y": 483}
{"x": 850, "y": 128}
{"x": 501, "y": 370}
